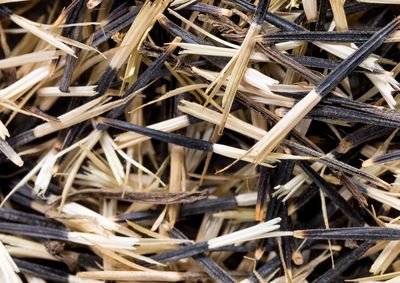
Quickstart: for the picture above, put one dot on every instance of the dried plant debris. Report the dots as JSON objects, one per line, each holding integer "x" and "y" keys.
{"x": 199, "y": 141}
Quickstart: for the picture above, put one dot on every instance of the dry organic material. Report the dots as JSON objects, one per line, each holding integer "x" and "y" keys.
{"x": 199, "y": 141}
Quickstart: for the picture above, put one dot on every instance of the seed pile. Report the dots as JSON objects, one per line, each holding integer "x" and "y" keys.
{"x": 199, "y": 141}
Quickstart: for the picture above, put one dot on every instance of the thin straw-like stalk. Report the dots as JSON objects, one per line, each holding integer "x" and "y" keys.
{"x": 295, "y": 115}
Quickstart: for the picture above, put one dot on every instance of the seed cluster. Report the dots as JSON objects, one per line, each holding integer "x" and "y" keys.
{"x": 199, "y": 141}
